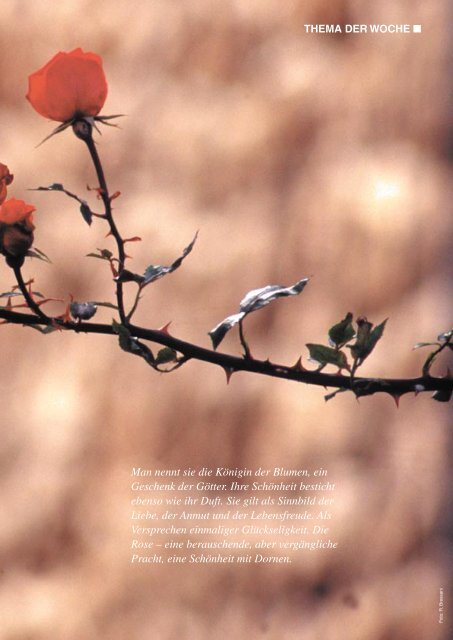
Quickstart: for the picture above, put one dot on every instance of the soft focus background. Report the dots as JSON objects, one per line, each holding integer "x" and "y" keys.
{"x": 294, "y": 155}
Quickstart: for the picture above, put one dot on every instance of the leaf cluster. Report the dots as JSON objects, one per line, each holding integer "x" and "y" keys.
{"x": 360, "y": 340}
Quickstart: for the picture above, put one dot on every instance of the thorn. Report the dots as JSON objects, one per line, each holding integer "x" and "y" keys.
{"x": 396, "y": 397}
{"x": 134, "y": 239}
{"x": 164, "y": 329}
{"x": 228, "y": 372}
{"x": 108, "y": 234}
{"x": 57, "y": 325}
{"x": 299, "y": 366}
{"x": 115, "y": 195}
{"x": 9, "y": 304}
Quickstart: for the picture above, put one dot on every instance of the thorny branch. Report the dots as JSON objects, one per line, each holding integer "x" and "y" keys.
{"x": 360, "y": 386}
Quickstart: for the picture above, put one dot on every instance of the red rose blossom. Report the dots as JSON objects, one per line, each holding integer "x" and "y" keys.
{"x": 16, "y": 228}
{"x": 70, "y": 85}
{"x": 5, "y": 179}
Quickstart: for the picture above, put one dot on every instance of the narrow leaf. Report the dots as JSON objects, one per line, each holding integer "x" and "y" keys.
{"x": 53, "y": 187}
{"x": 154, "y": 272}
{"x": 219, "y": 332}
{"x": 104, "y": 254}
{"x": 259, "y": 298}
{"x": 253, "y": 301}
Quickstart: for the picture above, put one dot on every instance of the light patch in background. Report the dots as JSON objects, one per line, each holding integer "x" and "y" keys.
{"x": 396, "y": 189}
{"x": 386, "y": 190}
{"x": 389, "y": 200}
{"x": 59, "y": 411}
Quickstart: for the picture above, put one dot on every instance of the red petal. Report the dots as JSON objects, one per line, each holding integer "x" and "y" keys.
{"x": 70, "y": 84}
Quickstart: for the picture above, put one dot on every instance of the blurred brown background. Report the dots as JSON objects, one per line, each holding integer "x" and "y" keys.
{"x": 294, "y": 155}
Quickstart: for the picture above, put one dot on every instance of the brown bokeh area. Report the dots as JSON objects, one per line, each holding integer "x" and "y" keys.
{"x": 294, "y": 155}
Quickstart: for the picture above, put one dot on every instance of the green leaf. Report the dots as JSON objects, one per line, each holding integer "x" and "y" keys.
{"x": 253, "y": 301}
{"x": 154, "y": 272}
{"x": 326, "y": 355}
{"x": 104, "y": 254}
{"x": 342, "y": 332}
{"x": 140, "y": 349}
{"x": 377, "y": 333}
{"x": 165, "y": 355}
{"x": 151, "y": 273}
{"x": 56, "y": 186}
{"x": 129, "y": 276}
{"x": 86, "y": 212}
{"x": 366, "y": 339}
{"x": 442, "y": 395}
{"x": 84, "y": 208}
{"x": 131, "y": 344}
{"x": 124, "y": 335}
